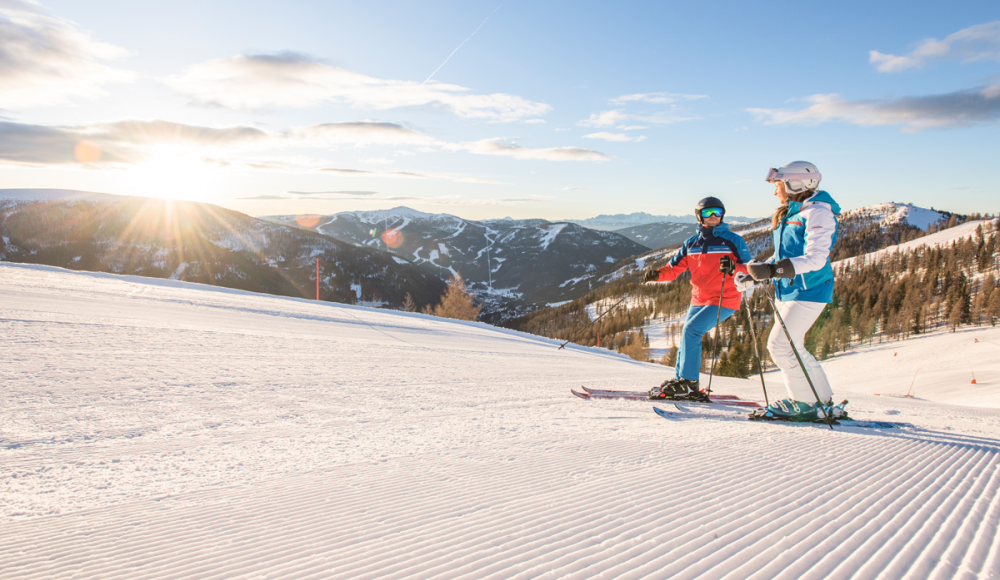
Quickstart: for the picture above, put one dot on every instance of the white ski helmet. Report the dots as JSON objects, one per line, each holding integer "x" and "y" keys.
{"x": 799, "y": 176}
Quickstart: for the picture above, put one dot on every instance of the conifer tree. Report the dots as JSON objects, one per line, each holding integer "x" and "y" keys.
{"x": 457, "y": 301}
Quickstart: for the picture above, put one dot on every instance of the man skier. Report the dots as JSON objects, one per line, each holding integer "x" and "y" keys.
{"x": 713, "y": 256}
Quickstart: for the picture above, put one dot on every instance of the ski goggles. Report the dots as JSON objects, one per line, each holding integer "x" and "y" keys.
{"x": 775, "y": 175}
{"x": 712, "y": 212}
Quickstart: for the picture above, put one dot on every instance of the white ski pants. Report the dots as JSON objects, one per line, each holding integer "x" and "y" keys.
{"x": 799, "y": 316}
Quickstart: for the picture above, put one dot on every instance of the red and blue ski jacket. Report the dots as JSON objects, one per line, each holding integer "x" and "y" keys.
{"x": 701, "y": 254}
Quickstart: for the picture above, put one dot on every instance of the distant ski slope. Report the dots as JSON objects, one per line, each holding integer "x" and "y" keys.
{"x": 158, "y": 429}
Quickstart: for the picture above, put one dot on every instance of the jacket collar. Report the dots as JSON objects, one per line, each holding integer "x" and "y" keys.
{"x": 705, "y": 232}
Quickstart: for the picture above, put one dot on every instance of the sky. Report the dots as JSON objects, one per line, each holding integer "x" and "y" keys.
{"x": 555, "y": 110}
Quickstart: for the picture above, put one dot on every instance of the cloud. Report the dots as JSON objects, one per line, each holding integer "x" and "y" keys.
{"x": 619, "y": 116}
{"x": 361, "y": 133}
{"x": 332, "y": 192}
{"x": 978, "y": 106}
{"x": 134, "y": 141}
{"x": 291, "y": 79}
{"x": 46, "y": 60}
{"x": 495, "y": 147}
{"x": 533, "y": 121}
{"x": 657, "y": 98}
{"x": 631, "y": 127}
{"x": 614, "y": 137}
{"x": 571, "y": 188}
{"x": 264, "y": 197}
{"x": 979, "y": 42}
{"x": 363, "y": 173}
{"x": 118, "y": 142}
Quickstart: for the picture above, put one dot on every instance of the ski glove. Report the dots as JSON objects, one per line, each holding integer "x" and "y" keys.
{"x": 727, "y": 265}
{"x": 652, "y": 275}
{"x": 763, "y": 271}
{"x": 744, "y": 282}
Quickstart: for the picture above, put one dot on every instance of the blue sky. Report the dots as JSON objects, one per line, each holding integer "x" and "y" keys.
{"x": 491, "y": 109}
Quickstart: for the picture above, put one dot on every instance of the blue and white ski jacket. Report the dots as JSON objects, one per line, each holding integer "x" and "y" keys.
{"x": 805, "y": 237}
{"x": 701, "y": 254}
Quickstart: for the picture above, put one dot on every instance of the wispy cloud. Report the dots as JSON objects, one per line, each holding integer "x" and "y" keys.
{"x": 657, "y": 98}
{"x": 571, "y": 188}
{"x": 979, "y": 42}
{"x": 621, "y": 137}
{"x": 291, "y": 79}
{"x": 46, "y": 60}
{"x": 119, "y": 142}
{"x": 361, "y": 133}
{"x": 619, "y": 116}
{"x": 496, "y": 147}
{"x": 332, "y": 192}
{"x": 967, "y": 108}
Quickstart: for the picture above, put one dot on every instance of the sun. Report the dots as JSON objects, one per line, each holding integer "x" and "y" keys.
{"x": 173, "y": 172}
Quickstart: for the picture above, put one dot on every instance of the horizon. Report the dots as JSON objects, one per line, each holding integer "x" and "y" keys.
{"x": 305, "y": 107}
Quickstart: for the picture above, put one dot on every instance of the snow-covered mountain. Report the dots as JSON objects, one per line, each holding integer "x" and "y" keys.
{"x": 623, "y": 221}
{"x": 199, "y": 243}
{"x": 508, "y": 262}
{"x": 659, "y": 235}
{"x": 891, "y": 213}
{"x": 155, "y": 428}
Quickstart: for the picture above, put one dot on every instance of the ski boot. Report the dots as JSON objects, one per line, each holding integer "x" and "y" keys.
{"x": 789, "y": 410}
{"x": 678, "y": 389}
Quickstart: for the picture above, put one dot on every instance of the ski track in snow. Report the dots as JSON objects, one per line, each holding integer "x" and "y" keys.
{"x": 158, "y": 429}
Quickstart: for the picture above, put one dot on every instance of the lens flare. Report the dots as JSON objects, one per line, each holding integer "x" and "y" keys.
{"x": 373, "y": 232}
{"x": 392, "y": 238}
{"x": 87, "y": 152}
{"x": 307, "y": 220}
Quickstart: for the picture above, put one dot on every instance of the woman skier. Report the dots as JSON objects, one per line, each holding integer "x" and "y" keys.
{"x": 804, "y": 228}
{"x": 713, "y": 256}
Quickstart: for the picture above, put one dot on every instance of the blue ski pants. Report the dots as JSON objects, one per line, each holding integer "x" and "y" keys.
{"x": 700, "y": 319}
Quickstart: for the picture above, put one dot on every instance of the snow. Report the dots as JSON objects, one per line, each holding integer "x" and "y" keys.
{"x": 891, "y": 213}
{"x": 549, "y": 234}
{"x": 968, "y": 229}
{"x": 155, "y": 428}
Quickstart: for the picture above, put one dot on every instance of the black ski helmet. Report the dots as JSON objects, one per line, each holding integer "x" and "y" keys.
{"x": 708, "y": 202}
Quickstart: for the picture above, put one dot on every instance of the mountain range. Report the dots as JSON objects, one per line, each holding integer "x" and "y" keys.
{"x": 621, "y": 221}
{"x": 512, "y": 265}
{"x": 372, "y": 257}
{"x": 199, "y": 242}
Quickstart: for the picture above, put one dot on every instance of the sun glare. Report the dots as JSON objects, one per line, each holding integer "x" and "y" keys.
{"x": 172, "y": 173}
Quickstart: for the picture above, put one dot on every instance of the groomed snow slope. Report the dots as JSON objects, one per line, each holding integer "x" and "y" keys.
{"x": 157, "y": 429}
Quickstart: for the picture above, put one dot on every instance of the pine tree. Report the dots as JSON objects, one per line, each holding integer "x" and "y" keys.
{"x": 408, "y": 304}
{"x": 457, "y": 302}
{"x": 993, "y": 306}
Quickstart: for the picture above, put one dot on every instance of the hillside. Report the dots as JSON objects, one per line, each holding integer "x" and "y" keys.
{"x": 199, "y": 243}
{"x": 513, "y": 265}
{"x": 158, "y": 428}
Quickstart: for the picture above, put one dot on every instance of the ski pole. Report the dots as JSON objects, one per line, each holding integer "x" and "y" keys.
{"x": 788, "y": 335}
{"x": 715, "y": 341}
{"x": 756, "y": 352}
{"x": 593, "y": 322}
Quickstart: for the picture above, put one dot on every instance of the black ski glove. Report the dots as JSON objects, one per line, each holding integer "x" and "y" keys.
{"x": 652, "y": 275}
{"x": 727, "y": 265}
{"x": 782, "y": 269}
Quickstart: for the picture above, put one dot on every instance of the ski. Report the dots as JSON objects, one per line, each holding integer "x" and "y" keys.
{"x": 640, "y": 396}
{"x": 638, "y": 393}
{"x": 863, "y": 424}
